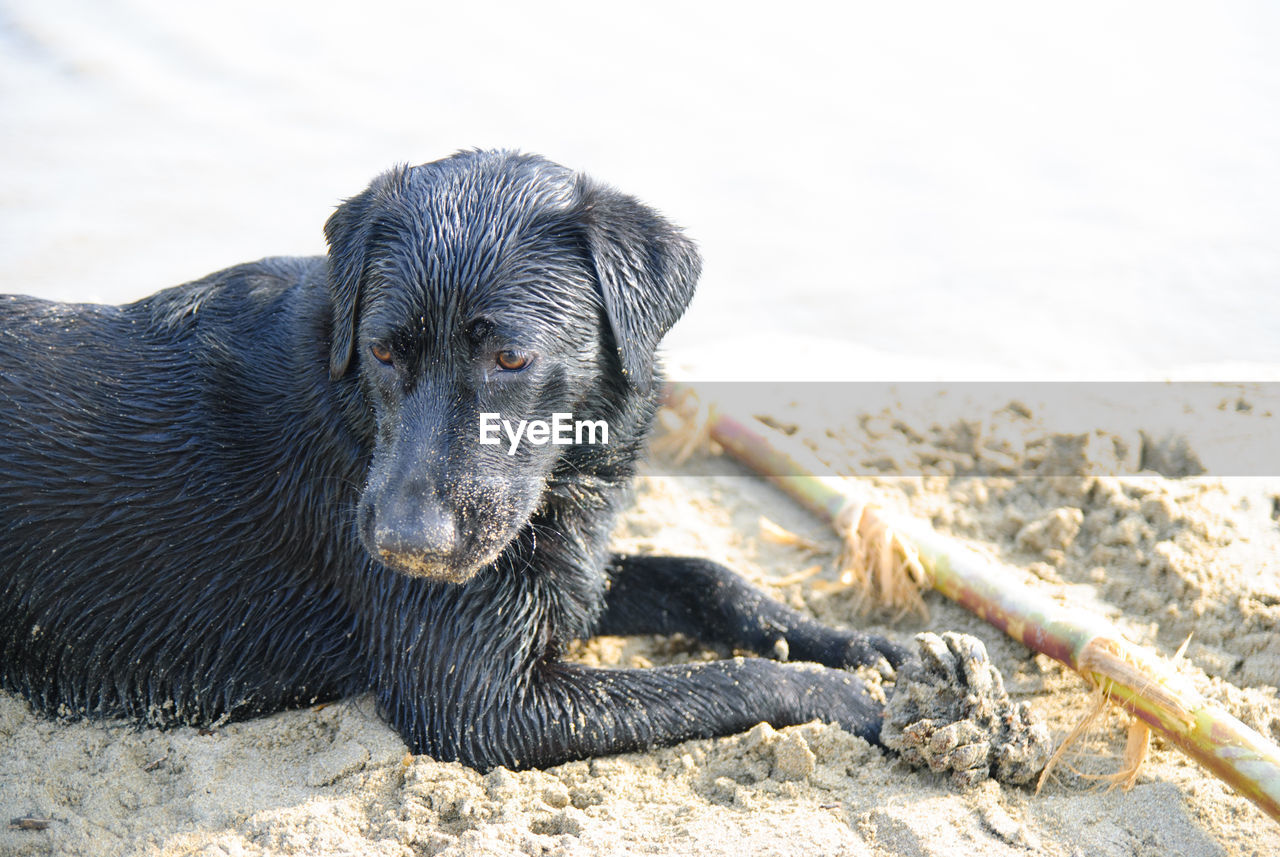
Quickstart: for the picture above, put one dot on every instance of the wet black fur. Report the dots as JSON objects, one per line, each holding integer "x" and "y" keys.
{"x": 192, "y": 487}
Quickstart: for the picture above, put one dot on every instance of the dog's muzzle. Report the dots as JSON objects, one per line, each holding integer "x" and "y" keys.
{"x": 420, "y": 540}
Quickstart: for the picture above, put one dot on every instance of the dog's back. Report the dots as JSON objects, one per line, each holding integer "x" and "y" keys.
{"x": 152, "y": 507}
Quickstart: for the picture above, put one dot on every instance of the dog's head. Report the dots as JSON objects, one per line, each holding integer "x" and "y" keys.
{"x": 475, "y": 297}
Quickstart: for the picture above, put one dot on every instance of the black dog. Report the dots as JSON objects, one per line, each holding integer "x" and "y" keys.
{"x": 265, "y": 488}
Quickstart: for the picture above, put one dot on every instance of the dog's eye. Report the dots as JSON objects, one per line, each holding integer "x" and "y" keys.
{"x": 512, "y": 361}
{"x": 381, "y": 353}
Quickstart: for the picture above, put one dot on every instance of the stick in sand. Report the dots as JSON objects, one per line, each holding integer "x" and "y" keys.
{"x": 896, "y": 556}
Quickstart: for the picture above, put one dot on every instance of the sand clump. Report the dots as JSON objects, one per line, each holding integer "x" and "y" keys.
{"x": 949, "y": 712}
{"x": 1162, "y": 557}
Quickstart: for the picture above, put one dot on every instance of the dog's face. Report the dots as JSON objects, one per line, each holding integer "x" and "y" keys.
{"x": 475, "y": 296}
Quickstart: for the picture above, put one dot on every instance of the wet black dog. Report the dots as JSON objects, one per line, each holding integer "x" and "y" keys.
{"x": 266, "y": 488}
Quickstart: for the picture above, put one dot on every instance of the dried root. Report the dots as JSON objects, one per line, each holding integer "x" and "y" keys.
{"x": 1164, "y": 691}
{"x": 687, "y": 423}
{"x": 884, "y": 568}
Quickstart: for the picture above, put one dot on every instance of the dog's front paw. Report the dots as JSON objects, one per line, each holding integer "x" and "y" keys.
{"x": 949, "y": 711}
{"x": 869, "y": 650}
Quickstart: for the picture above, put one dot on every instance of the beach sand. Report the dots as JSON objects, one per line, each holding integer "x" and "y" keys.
{"x": 1163, "y": 557}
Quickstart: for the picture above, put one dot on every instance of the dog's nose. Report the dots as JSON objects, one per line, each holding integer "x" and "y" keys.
{"x": 419, "y": 539}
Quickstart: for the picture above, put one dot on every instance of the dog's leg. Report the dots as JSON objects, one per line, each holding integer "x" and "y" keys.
{"x": 557, "y": 712}
{"x": 712, "y": 604}
{"x": 471, "y": 673}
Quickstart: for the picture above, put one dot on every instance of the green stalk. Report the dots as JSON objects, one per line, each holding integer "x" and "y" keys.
{"x": 1141, "y": 682}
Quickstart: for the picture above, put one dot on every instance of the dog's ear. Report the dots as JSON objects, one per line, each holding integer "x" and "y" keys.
{"x": 348, "y": 230}
{"x": 646, "y": 269}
